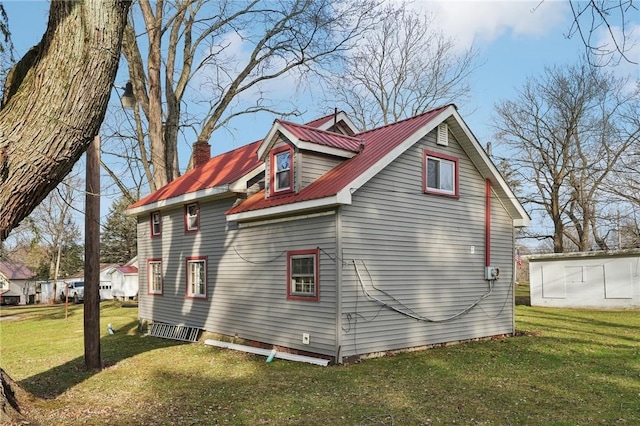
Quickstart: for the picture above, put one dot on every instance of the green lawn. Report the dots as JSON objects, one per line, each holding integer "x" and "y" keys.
{"x": 566, "y": 367}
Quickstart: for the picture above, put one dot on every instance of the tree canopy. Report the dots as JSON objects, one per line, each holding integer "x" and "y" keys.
{"x": 568, "y": 129}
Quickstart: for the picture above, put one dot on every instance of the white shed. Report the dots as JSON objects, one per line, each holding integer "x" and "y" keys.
{"x": 124, "y": 280}
{"x": 598, "y": 279}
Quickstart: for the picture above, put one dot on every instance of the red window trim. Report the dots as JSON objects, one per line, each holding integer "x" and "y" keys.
{"x": 186, "y": 220}
{"x": 316, "y": 254}
{"x": 159, "y": 233}
{"x": 206, "y": 277}
{"x": 272, "y": 171}
{"x": 149, "y": 292}
{"x": 456, "y": 173}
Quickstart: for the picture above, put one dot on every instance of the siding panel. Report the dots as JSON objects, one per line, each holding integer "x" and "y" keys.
{"x": 424, "y": 255}
{"x": 246, "y": 294}
{"x": 313, "y": 165}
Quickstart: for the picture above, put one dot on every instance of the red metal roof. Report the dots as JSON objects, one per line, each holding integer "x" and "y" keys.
{"x": 16, "y": 271}
{"x": 369, "y": 146}
{"x": 220, "y": 170}
{"x": 377, "y": 143}
{"x": 322, "y": 137}
{"x": 127, "y": 269}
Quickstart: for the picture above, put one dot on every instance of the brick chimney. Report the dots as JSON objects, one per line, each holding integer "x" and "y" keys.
{"x": 201, "y": 153}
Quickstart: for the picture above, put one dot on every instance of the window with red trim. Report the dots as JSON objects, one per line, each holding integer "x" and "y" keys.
{"x": 440, "y": 174}
{"x": 154, "y": 276}
{"x": 303, "y": 275}
{"x": 282, "y": 170}
{"x": 156, "y": 224}
{"x": 196, "y": 277}
{"x": 191, "y": 217}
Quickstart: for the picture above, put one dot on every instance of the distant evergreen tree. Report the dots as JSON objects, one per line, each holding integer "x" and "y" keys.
{"x": 118, "y": 242}
{"x": 72, "y": 259}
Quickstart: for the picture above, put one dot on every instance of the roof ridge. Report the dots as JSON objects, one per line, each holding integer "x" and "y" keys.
{"x": 405, "y": 119}
{"x": 243, "y": 147}
{"x": 315, "y": 129}
{"x": 325, "y": 117}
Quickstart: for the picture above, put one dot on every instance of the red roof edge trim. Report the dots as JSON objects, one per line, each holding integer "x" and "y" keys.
{"x": 431, "y": 111}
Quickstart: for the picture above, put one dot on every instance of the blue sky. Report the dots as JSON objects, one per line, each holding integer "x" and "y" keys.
{"x": 515, "y": 40}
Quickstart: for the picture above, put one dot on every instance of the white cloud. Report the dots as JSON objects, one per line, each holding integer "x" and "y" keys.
{"x": 629, "y": 43}
{"x": 484, "y": 21}
{"x": 232, "y": 54}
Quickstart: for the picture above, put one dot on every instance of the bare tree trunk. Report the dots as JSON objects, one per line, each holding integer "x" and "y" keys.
{"x": 55, "y": 100}
{"x": 13, "y": 401}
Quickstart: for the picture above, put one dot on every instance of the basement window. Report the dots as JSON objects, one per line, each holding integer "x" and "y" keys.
{"x": 302, "y": 274}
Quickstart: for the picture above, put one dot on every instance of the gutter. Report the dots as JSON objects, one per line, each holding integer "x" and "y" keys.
{"x": 267, "y": 352}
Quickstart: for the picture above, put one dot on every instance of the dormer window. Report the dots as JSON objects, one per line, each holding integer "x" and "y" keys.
{"x": 282, "y": 167}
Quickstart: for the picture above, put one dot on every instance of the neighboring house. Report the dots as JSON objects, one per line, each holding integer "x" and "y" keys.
{"x": 124, "y": 280}
{"x": 105, "y": 281}
{"x": 333, "y": 242}
{"x": 17, "y": 284}
{"x": 598, "y": 279}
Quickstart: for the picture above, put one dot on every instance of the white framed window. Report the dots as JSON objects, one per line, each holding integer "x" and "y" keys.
{"x": 302, "y": 275}
{"x": 441, "y": 174}
{"x": 197, "y": 277}
{"x": 192, "y": 217}
{"x": 154, "y": 276}
{"x": 156, "y": 227}
{"x": 282, "y": 166}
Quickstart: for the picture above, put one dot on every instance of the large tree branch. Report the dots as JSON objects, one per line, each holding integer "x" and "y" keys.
{"x": 54, "y": 111}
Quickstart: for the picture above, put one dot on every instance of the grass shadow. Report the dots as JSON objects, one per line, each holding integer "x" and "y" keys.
{"x": 125, "y": 343}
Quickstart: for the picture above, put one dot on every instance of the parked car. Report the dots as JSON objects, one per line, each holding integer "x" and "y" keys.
{"x": 75, "y": 292}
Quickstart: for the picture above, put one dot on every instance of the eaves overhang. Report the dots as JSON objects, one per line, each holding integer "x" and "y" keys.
{"x": 488, "y": 170}
{"x": 214, "y": 192}
{"x": 239, "y": 186}
{"x": 305, "y": 144}
{"x": 342, "y": 198}
{"x": 337, "y": 152}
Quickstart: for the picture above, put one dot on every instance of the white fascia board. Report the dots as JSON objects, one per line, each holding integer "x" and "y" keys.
{"x": 180, "y": 199}
{"x": 323, "y": 149}
{"x": 300, "y": 144}
{"x": 395, "y": 153}
{"x": 266, "y": 142}
{"x": 285, "y": 209}
{"x": 522, "y": 222}
{"x": 524, "y": 219}
{"x": 241, "y": 184}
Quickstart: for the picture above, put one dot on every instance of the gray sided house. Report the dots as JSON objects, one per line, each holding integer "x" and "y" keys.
{"x": 328, "y": 241}
{"x": 599, "y": 279}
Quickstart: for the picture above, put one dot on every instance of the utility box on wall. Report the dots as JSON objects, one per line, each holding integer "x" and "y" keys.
{"x": 599, "y": 279}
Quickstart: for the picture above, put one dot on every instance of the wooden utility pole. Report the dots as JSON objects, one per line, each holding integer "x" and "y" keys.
{"x": 92, "y": 360}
